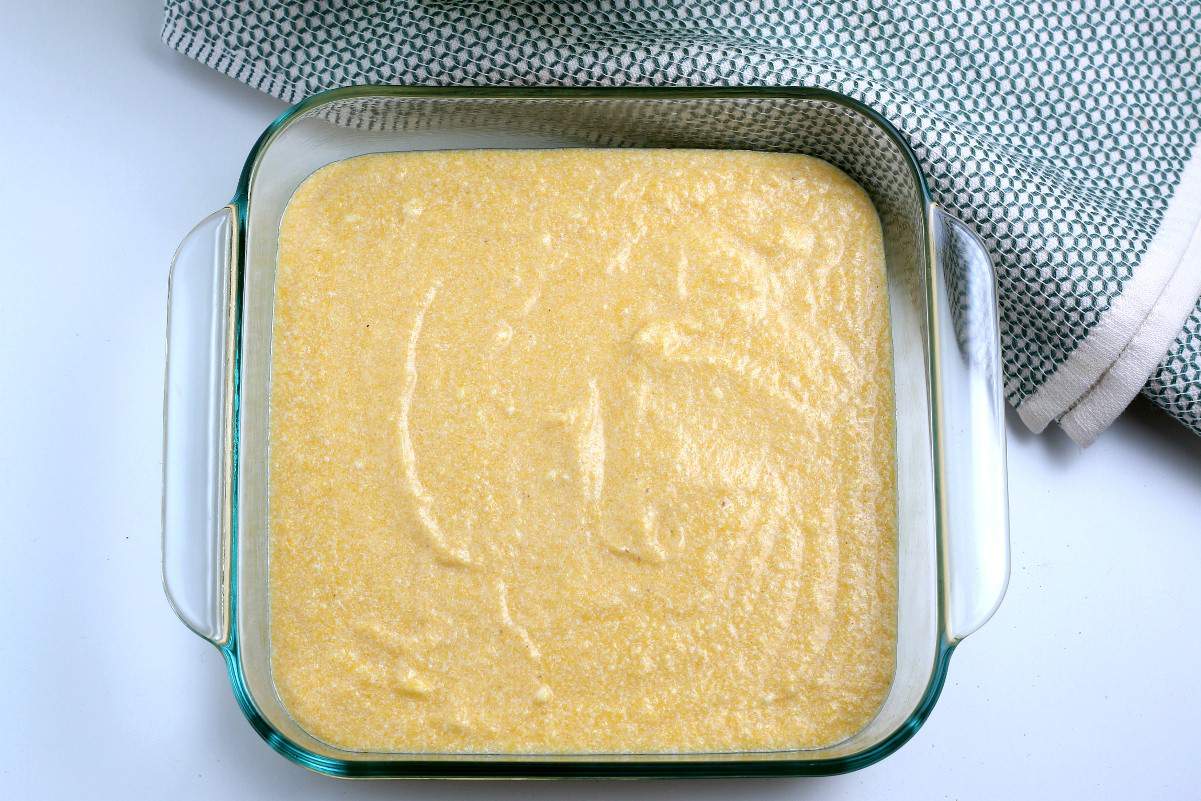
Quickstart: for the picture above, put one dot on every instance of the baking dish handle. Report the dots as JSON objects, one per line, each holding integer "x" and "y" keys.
{"x": 198, "y": 426}
{"x": 973, "y": 507}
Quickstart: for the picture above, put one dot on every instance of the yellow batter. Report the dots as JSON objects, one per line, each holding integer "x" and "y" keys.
{"x": 581, "y": 450}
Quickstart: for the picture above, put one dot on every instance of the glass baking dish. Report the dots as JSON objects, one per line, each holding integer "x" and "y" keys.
{"x": 953, "y": 551}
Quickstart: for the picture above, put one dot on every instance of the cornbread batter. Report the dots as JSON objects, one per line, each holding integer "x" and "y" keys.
{"x": 581, "y": 450}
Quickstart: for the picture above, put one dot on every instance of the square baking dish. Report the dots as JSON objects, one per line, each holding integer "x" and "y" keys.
{"x": 953, "y": 551}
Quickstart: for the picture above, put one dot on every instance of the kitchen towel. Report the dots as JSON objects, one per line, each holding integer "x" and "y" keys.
{"x": 1066, "y": 132}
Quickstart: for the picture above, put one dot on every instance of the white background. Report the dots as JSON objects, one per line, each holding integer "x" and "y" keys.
{"x": 1085, "y": 684}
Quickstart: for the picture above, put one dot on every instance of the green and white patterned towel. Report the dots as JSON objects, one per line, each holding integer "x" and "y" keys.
{"x": 1064, "y": 131}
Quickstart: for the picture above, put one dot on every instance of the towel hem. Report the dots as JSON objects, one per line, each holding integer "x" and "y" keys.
{"x": 1134, "y": 315}
{"x": 1129, "y": 374}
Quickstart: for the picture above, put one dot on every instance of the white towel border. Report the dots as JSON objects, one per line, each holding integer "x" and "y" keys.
{"x": 1113, "y": 362}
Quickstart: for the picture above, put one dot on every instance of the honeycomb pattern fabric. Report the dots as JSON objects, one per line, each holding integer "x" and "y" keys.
{"x": 1059, "y": 130}
{"x": 1176, "y": 385}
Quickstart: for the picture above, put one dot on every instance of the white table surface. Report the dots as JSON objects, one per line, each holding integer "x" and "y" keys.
{"x": 1085, "y": 684}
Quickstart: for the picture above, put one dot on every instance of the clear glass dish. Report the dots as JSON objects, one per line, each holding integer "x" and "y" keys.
{"x": 953, "y": 550}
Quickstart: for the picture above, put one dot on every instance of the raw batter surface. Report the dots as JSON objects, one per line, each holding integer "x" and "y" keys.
{"x": 582, "y": 450}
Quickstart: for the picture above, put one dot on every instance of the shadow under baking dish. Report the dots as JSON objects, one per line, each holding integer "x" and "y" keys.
{"x": 951, "y": 526}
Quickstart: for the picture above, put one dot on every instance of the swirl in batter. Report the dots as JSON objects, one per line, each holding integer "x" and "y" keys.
{"x": 582, "y": 450}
